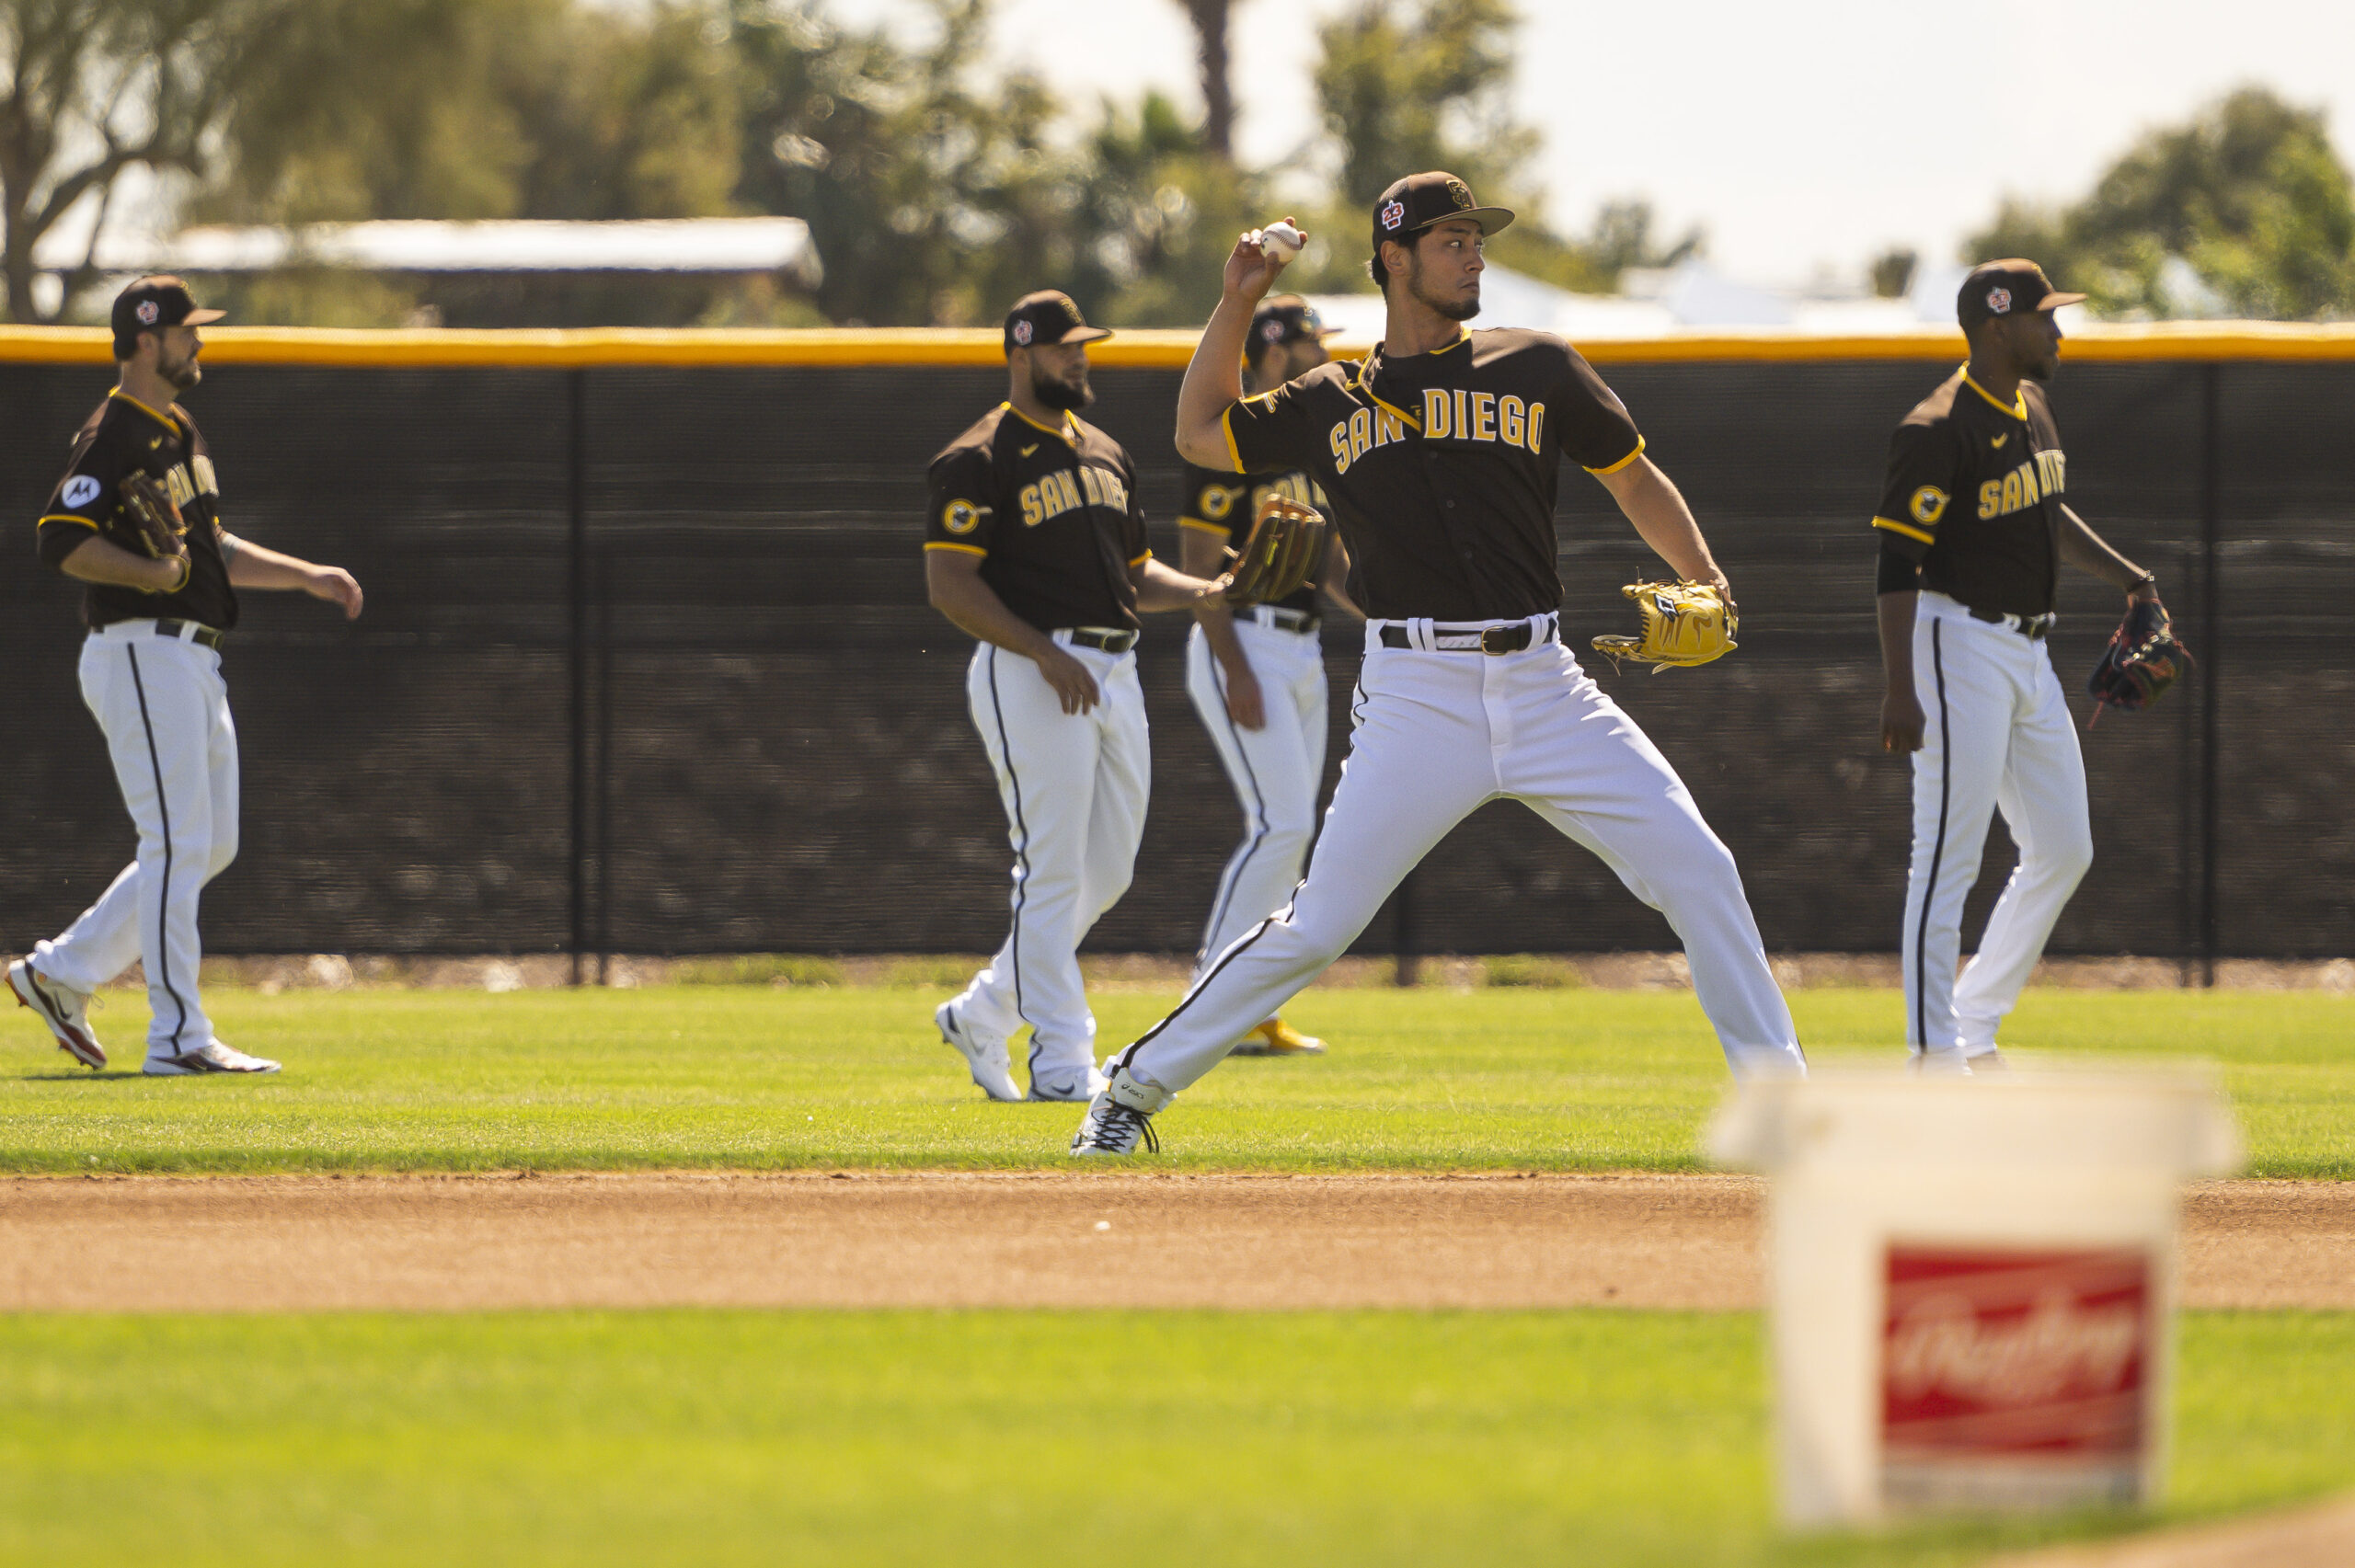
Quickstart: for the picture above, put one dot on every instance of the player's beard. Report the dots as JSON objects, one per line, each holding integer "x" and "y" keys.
{"x": 1060, "y": 395}
{"x": 180, "y": 373}
{"x": 1458, "y": 309}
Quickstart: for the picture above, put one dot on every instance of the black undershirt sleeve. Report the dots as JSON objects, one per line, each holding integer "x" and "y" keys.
{"x": 1899, "y": 572}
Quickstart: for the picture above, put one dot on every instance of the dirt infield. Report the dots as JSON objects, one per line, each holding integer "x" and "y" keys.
{"x": 1052, "y": 1240}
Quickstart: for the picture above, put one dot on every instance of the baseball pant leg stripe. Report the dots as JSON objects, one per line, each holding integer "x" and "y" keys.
{"x": 1236, "y": 867}
{"x": 1021, "y": 829}
{"x": 162, "y": 951}
{"x": 1938, "y": 852}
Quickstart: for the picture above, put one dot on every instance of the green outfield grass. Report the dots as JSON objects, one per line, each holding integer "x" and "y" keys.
{"x": 763, "y": 1078}
{"x": 1598, "y": 1438}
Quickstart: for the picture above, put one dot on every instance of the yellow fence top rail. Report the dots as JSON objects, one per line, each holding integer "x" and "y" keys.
{"x": 1158, "y": 350}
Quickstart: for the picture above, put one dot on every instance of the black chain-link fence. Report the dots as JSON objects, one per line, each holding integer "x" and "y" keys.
{"x": 648, "y": 667}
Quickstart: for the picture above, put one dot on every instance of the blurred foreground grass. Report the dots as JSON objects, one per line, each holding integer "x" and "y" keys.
{"x": 1607, "y": 1439}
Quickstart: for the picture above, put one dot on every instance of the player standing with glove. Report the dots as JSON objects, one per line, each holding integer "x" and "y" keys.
{"x": 1256, "y": 673}
{"x": 1035, "y": 545}
{"x": 1973, "y": 534}
{"x": 1440, "y": 455}
{"x": 137, "y": 519}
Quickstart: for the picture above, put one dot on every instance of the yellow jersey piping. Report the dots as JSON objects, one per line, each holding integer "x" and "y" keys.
{"x": 2017, "y": 408}
{"x": 160, "y": 418}
{"x": 1199, "y": 526}
{"x": 1623, "y": 461}
{"x": 1068, "y": 435}
{"x": 950, "y": 544}
{"x": 1907, "y": 528}
{"x": 67, "y": 517}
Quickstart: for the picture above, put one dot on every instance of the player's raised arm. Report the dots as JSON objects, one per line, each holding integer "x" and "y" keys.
{"x": 1215, "y": 375}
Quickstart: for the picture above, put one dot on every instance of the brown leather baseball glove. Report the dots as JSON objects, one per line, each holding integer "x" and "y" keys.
{"x": 155, "y": 522}
{"x": 1284, "y": 550}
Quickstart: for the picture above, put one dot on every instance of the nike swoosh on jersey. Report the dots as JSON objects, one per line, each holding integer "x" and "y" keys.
{"x": 2001, "y": 439}
{"x": 1031, "y": 448}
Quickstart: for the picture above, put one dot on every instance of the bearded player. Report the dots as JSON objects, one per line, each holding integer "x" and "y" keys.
{"x": 160, "y": 600}
{"x": 1441, "y": 456}
{"x": 1035, "y": 546}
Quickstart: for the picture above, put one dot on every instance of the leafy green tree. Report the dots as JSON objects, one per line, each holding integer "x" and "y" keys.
{"x": 933, "y": 197}
{"x": 2248, "y": 195}
{"x": 1159, "y": 211}
{"x": 91, "y": 88}
{"x": 1413, "y": 85}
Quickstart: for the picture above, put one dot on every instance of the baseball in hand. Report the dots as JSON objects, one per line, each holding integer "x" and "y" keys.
{"x": 1279, "y": 241}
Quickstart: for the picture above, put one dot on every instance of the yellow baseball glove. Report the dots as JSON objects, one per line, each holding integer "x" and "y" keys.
{"x": 1684, "y": 623}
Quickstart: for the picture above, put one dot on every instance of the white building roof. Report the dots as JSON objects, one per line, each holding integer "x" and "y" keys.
{"x": 665, "y": 245}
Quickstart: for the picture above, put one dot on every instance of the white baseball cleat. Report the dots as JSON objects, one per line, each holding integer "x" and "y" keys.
{"x": 63, "y": 1008}
{"x": 1120, "y": 1116}
{"x": 209, "y": 1056}
{"x": 1074, "y": 1085}
{"x": 985, "y": 1057}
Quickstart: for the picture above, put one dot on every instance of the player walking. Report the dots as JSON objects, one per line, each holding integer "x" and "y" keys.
{"x": 1972, "y": 534}
{"x": 1440, "y": 455}
{"x": 1035, "y": 545}
{"x": 1257, "y": 675}
{"x": 159, "y": 608}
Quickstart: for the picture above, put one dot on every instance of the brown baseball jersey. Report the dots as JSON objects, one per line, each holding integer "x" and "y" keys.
{"x": 1055, "y": 514}
{"x": 1973, "y": 498}
{"x": 121, "y": 437}
{"x": 1223, "y": 506}
{"x": 1442, "y": 469}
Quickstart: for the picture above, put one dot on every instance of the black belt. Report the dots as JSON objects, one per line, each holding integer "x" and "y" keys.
{"x": 1108, "y": 642}
{"x": 1278, "y": 617}
{"x": 2032, "y": 628}
{"x": 1493, "y": 639}
{"x": 191, "y": 632}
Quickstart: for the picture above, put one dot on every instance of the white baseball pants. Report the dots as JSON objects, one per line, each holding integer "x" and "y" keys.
{"x": 165, "y": 710}
{"x": 1275, "y": 769}
{"x": 1996, "y": 735}
{"x": 1438, "y": 734}
{"x": 1074, "y": 787}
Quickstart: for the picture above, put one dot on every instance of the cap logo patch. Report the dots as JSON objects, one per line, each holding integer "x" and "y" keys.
{"x": 1273, "y": 331}
{"x": 148, "y": 311}
{"x": 1394, "y": 212}
{"x": 1459, "y": 193}
{"x": 1022, "y": 334}
{"x": 1999, "y": 300}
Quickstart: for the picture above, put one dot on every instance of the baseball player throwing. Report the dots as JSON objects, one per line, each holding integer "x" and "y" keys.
{"x": 137, "y": 519}
{"x": 1972, "y": 534}
{"x": 1035, "y": 545}
{"x": 1440, "y": 455}
{"x": 1257, "y": 675}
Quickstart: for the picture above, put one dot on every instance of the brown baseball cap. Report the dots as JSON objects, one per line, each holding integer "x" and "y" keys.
{"x": 2007, "y": 288}
{"x": 151, "y": 302}
{"x": 1286, "y": 319}
{"x": 1048, "y": 316}
{"x": 1416, "y": 202}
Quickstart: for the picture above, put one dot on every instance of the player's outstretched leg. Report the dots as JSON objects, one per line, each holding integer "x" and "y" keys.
{"x": 1276, "y": 770}
{"x": 1588, "y": 769}
{"x": 1419, "y": 763}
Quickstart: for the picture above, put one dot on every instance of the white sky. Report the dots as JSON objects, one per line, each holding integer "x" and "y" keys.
{"x": 1804, "y": 134}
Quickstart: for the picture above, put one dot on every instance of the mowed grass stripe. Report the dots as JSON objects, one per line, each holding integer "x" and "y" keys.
{"x": 756, "y": 1078}
{"x": 1370, "y": 1438}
